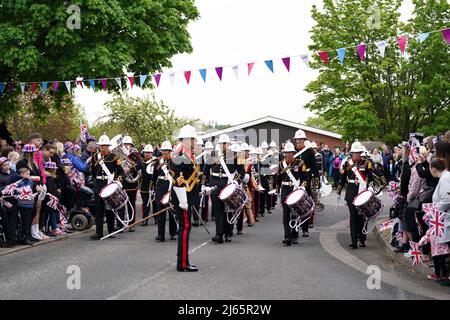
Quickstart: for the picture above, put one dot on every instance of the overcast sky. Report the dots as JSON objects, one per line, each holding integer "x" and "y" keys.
{"x": 233, "y": 32}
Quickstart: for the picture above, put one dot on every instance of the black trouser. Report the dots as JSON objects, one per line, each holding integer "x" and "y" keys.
{"x": 289, "y": 233}
{"x": 161, "y": 219}
{"x": 265, "y": 201}
{"x": 336, "y": 177}
{"x": 218, "y": 207}
{"x": 145, "y": 208}
{"x": 196, "y": 203}
{"x": 440, "y": 268}
{"x": 184, "y": 230}
{"x": 26, "y": 215}
{"x": 100, "y": 213}
{"x": 356, "y": 224}
{"x": 10, "y": 218}
{"x": 131, "y": 207}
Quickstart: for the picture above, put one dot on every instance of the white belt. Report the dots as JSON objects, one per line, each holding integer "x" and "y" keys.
{"x": 287, "y": 183}
{"x": 163, "y": 178}
{"x": 101, "y": 178}
{"x": 353, "y": 181}
{"x": 219, "y": 175}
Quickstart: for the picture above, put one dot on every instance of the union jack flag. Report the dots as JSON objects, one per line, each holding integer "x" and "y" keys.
{"x": 25, "y": 193}
{"x": 437, "y": 223}
{"x": 415, "y": 253}
{"x": 53, "y": 203}
{"x": 9, "y": 190}
{"x": 83, "y": 132}
{"x": 428, "y": 208}
{"x": 387, "y": 225}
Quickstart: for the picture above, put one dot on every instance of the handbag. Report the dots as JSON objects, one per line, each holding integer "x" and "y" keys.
{"x": 426, "y": 195}
{"x": 414, "y": 204}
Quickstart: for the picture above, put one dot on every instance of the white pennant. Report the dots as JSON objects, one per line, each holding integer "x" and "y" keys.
{"x": 382, "y": 47}
{"x": 22, "y": 87}
{"x": 305, "y": 59}
{"x": 172, "y": 78}
{"x": 236, "y": 71}
{"x": 119, "y": 82}
{"x": 67, "y": 85}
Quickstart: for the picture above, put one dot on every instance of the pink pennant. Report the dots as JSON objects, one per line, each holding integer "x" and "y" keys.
{"x": 402, "y": 43}
{"x": 446, "y": 34}
{"x": 250, "y": 67}
{"x": 287, "y": 63}
{"x": 33, "y": 87}
{"x": 80, "y": 83}
{"x": 187, "y": 75}
{"x": 219, "y": 71}
{"x": 131, "y": 79}
{"x": 55, "y": 86}
{"x": 104, "y": 83}
{"x": 361, "y": 51}
{"x": 157, "y": 78}
{"x": 324, "y": 56}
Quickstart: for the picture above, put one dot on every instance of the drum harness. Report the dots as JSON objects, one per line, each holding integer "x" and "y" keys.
{"x": 362, "y": 186}
{"x": 127, "y": 218}
{"x": 237, "y": 212}
{"x": 297, "y": 222}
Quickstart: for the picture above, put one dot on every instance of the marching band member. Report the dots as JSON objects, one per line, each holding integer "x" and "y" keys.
{"x": 147, "y": 177}
{"x": 357, "y": 174}
{"x": 320, "y": 168}
{"x": 247, "y": 180}
{"x": 185, "y": 178}
{"x": 216, "y": 174}
{"x": 288, "y": 168}
{"x": 309, "y": 172}
{"x": 199, "y": 160}
{"x": 266, "y": 178}
{"x": 254, "y": 186}
{"x": 105, "y": 167}
{"x": 206, "y": 198}
{"x": 131, "y": 182}
{"x": 259, "y": 201}
{"x": 275, "y": 159}
{"x": 162, "y": 186}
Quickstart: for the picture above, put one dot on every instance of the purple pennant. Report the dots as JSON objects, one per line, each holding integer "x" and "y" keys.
{"x": 446, "y": 34}
{"x": 287, "y": 63}
{"x": 361, "y": 51}
{"x": 157, "y": 79}
{"x": 11, "y": 87}
{"x": 104, "y": 82}
{"x": 55, "y": 86}
{"x": 219, "y": 71}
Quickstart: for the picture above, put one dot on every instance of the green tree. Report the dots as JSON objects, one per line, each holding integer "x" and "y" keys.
{"x": 37, "y": 45}
{"x": 381, "y": 98}
{"x": 144, "y": 119}
{"x": 320, "y": 122}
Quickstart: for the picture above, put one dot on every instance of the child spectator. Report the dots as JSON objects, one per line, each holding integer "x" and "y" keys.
{"x": 439, "y": 252}
{"x": 52, "y": 216}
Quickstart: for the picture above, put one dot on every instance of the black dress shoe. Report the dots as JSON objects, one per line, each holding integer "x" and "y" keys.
{"x": 287, "y": 242}
{"x": 353, "y": 246}
{"x": 217, "y": 239}
{"x": 34, "y": 240}
{"x": 239, "y": 232}
{"x": 160, "y": 239}
{"x": 305, "y": 234}
{"x": 173, "y": 238}
{"x": 97, "y": 236}
{"x": 195, "y": 223}
{"x": 27, "y": 242}
{"x": 132, "y": 229}
{"x": 294, "y": 241}
{"x": 362, "y": 244}
{"x": 190, "y": 268}
{"x": 144, "y": 224}
{"x": 227, "y": 239}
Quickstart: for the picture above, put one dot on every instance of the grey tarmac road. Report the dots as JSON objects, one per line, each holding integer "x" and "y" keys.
{"x": 254, "y": 265}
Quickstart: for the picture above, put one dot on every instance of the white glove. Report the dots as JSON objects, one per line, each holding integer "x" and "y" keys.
{"x": 246, "y": 178}
{"x": 203, "y": 189}
{"x": 371, "y": 189}
{"x": 338, "y": 198}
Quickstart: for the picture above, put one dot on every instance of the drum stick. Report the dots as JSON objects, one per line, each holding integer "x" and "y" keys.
{"x": 137, "y": 222}
{"x": 203, "y": 222}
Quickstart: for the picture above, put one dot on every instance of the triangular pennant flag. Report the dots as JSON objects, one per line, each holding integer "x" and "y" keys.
{"x": 33, "y": 87}
{"x": 236, "y": 71}
{"x": 172, "y": 79}
{"x": 203, "y": 74}
{"x": 22, "y": 87}
{"x": 104, "y": 83}
{"x": 341, "y": 55}
{"x": 92, "y": 83}
{"x": 361, "y": 50}
{"x": 131, "y": 79}
{"x": 187, "y": 75}
{"x": 157, "y": 78}
{"x": 324, "y": 56}
{"x": 80, "y": 82}
{"x": 11, "y": 87}
{"x": 287, "y": 63}
{"x": 68, "y": 84}
{"x": 1, "y": 88}
{"x": 305, "y": 59}
{"x": 446, "y": 35}
{"x": 250, "y": 67}
{"x": 382, "y": 47}
{"x": 402, "y": 42}
{"x": 44, "y": 87}
{"x": 119, "y": 82}
{"x": 219, "y": 71}
{"x": 55, "y": 86}
{"x": 142, "y": 80}
{"x": 269, "y": 64}
{"x": 423, "y": 36}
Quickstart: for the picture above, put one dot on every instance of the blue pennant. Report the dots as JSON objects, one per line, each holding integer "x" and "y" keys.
{"x": 269, "y": 64}
{"x": 203, "y": 74}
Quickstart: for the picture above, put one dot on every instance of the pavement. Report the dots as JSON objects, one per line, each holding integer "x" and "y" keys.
{"x": 254, "y": 265}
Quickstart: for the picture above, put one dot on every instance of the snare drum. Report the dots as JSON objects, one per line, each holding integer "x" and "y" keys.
{"x": 234, "y": 196}
{"x": 114, "y": 196}
{"x": 301, "y": 203}
{"x": 368, "y": 204}
{"x": 165, "y": 199}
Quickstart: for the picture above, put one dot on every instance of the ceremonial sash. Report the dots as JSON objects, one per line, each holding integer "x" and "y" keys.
{"x": 105, "y": 168}
{"x": 290, "y": 175}
{"x": 225, "y": 168}
{"x": 361, "y": 178}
